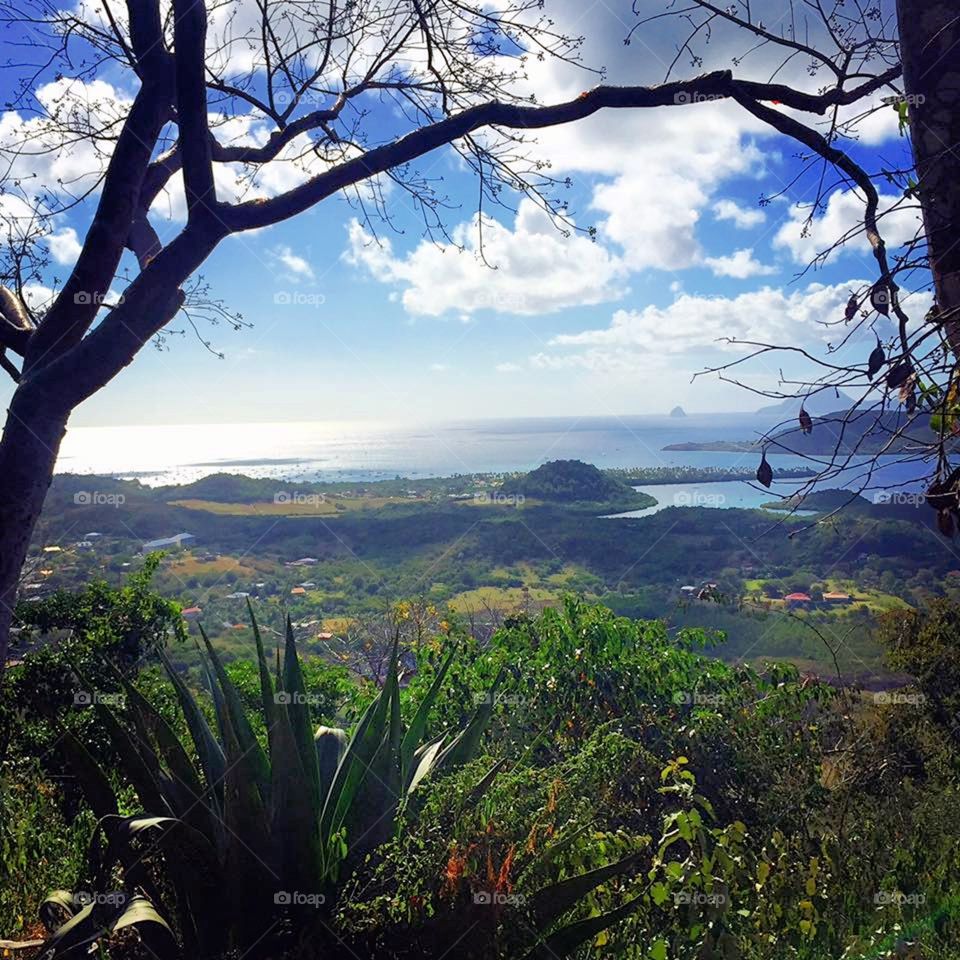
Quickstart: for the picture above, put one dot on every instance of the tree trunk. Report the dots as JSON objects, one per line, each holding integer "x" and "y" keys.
{"x": 930, "y": 51}
{"x": 28, "y": 451}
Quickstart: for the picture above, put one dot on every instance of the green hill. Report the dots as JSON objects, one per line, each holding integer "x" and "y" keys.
{"x": 570, "y": 481}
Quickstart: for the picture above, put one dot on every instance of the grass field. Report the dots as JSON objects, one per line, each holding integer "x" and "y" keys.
{"x": 500, "y": 598}
{"x": 189, "y": 566}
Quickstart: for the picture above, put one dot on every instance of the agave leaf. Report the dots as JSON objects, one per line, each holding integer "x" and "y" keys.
{"x": 297, "y": 710}
{"x": 195, "y": 872}
{"x": 476, "y": 794}
{"x": 354, "y": 763}
{"x": 139, "y": 762}
{"x": 97, "y": 920}
{"x": 425, "y": 761}
{"x": 567, "y": 939}
{"x": 208, "y": 750}
{"x": 371, "y": 814}
{"x": 82, "y": 928}
{"x": 330, "y": 742}
{"x": 418, "y": 724}
{"x": 93, "y": 781}
{"x": 185, "y": 789}
{"x": 266, "y": 683}
{"x": 57, "y": 908}
{"x": 255, "y": 759}
{"x": 552, "y": 902}
{"x": 248, "y": 852}
{"x": 156, "y": 934}
{"x": 465, "y": 746}
{"x": 294, "y": 816}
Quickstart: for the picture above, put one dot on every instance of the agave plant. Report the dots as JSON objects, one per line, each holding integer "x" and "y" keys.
{"x": 255, "y": 838}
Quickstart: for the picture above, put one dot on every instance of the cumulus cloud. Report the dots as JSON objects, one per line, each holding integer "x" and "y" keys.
{"x": 64, "y": 246}
{"x": 843, "y": 217}
{"x": 740, "y": 265}
{"x": 529, "y": 268}
{"x": 741, "y": 217}
{"x": 508, "y": 367}
{"x": 700, "y": 323}
{"x": 295, "y": 265}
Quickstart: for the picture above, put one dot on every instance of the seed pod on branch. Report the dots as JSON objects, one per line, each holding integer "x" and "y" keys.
{"x": 899, "y": 374}
{"x": 880, "y": 298}
{"x": 764, "y": 471}
{"x": 851, "y": 309}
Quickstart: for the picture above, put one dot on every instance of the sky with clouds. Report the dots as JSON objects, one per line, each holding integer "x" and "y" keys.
{"x": 358, "y": 320}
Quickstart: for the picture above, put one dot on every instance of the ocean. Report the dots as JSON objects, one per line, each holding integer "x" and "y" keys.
{"x": 366, "y": 450}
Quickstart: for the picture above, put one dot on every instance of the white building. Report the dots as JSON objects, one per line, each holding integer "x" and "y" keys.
{"x": 177, "y": 541}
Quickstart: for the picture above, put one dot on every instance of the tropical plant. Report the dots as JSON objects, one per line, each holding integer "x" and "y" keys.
{"x": 255, "y": 838}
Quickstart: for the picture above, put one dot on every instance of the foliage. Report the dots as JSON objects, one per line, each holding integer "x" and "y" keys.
{"x": 247, "y": 831}
{"x": 569, "y": 480}
{"x": 616, "y": 792}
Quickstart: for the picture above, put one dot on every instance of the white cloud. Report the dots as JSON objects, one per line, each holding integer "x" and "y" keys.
{"x": 742, "y": 217}
{"x": 64, "y": 246}
{"x": 528, "y": 269}
{"x": 508, "y": 367}
{"x": 843, "y": 216}
{"x": 741, "y": 264}
{"x": 297, "y": 266}
{"x": 439, "y": 367}
{"x": 697, "y": 323}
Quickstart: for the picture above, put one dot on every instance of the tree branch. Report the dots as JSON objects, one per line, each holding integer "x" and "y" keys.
{"x": 189, "y": 32}
{"x": 717, "y": 85}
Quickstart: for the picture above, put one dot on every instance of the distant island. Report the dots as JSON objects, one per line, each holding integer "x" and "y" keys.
{"x": 678, "y": 412}
{"x": 866, "y": 433}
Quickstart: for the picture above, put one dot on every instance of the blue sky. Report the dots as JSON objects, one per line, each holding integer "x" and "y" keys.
{"x": 414, "y": 330}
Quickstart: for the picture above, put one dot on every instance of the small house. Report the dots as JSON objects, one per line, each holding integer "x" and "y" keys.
{"x": 796, "y": 600}
{"x": 191, "y": 613}
{"x": 837, "y": 598}
{"x": 297, "y": 592}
